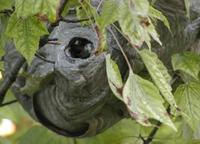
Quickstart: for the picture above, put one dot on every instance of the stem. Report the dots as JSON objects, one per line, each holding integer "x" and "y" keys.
{"x": 8, "y": 103}
{"x": 74, "y": 141}
{"x": 152, "y": 134}
{"x": 100, "y": 4}
{"x": 156, "y": 128}
{"x": 119, "y": 45}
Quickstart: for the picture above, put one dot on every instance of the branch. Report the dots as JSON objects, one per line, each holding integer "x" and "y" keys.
{"x": 7, "y": 82}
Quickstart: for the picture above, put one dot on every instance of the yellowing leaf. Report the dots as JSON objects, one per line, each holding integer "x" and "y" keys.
{"x": 144, "y": 101}
{"x": 26, "y": 34}
{"x": 159, "y": 75}
{"x": 187, "y": 62}
{"x": 114, "y": 77}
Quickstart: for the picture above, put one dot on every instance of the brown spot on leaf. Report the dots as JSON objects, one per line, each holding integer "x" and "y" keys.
{"x": 133, "y": 45}
{"x": 133, "y": 115}
{"x": 129, "y": 101}
{"x": 144, "y": 21}
{"x": 146, "y": 121}
{"x": 43, "y": 18}
{"x": 166, "y": 114}
{"x": 119, "y": 90}
{"x": 178, "y": 109}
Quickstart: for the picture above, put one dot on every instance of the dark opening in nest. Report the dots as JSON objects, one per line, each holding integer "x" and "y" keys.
{"x": 80, "y": 48}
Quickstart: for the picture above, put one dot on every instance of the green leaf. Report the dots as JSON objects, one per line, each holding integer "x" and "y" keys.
{"x": 70, "y": 4}
{"x": 188, "y": 63}
{"x": 189, "y": 101}
{"x": 144, "y": 101}
{"x": 6, "y": 4}
{"x": 114, "y": 77}
{"x": 159, "y": 75}
{"x": 110, "y": 13}
{"x": 154, "y": 13}
{"x": 136, "y": 24}
{"x": 140, "y": 7}
{"x": 153, "y": 33}
{"x": 26, "y": 8}
{"x": 26, "y": 34}
{"x": 130, "y": 25}
{"x": 3, "y": 38}
{"x": 86, "y": 11}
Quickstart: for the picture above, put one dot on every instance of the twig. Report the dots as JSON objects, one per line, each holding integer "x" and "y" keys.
{"x": 8, "y": 103}
{"x": 142, "y": 138}
{"x": 99, "y": 5}
{"x": 7, "y": 82}
{"x": 152, "y": 134}
{"x": 119, "y": 45}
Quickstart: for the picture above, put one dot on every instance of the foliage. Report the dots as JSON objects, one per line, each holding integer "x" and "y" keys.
{"x": 159, "y": 75}
{"x": 148, "y": 101}
{"x": 187, "y": 63}
{"x": 45, "y": 8}
{"x": 26, "y": 33}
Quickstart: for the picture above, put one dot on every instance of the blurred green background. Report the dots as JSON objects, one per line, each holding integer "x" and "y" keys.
{"x": 124, "y": 132}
